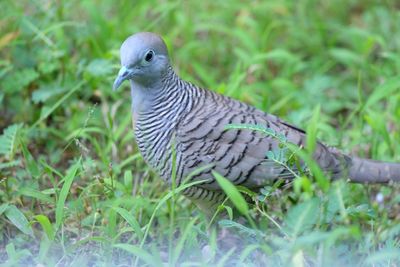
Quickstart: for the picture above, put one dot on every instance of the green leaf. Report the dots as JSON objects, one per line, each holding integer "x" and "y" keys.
{"x": 312, "y": 130}
{"x": 336, "y": 201}
{"x": 30, "y": 192}
{"x": 343, "y": 233}
{"x": 281, "y": 55}
{"x": 302, "y": 217}
{"x": 229, "y": 211}
{"x": 346, "y": 56}
{"x": 10, "y": 248}
{"x": 69, "y": 178}
{"x": 10, "y": 164}
{"x": 100, "y": 68}
{"x": 240, "y": 228}
{"x": 3, "y": 207}
{"x": 46, "y": 92}
{"x": 18, "y": 79}
{"x": 18, "y": 219}
{"x": 233, "y": 194}
{"x": 383, "y": 91}
{"x": 131, "y": 221}
{"x": 15, "y": 256}
{"x": 128, "y": 181}
{"x": 31, "y": 164}
{"x": 112, "y": 223}
{"x": 322, "y": 180}
{"x": 374, "y": 119}
{"x": 46, "y": 225}
{"x": 8, "y": 140}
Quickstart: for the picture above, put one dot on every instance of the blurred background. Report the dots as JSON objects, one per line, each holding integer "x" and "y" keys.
{"x": 71, "y": 177}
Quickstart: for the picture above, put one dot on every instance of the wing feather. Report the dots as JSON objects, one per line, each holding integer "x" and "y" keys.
{"x": 237, "y": 154}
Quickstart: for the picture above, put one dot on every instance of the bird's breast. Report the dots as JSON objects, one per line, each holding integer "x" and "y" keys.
{"x": 153, "y": 136}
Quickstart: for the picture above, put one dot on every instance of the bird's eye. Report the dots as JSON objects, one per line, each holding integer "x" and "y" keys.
{"x": 149, "y": 56}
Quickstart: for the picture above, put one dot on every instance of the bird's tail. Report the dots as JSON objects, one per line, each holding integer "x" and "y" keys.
{"x": 372, "y": 171}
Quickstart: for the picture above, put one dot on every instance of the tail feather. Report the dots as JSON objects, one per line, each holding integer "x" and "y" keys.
{"x": 372, "y": 171}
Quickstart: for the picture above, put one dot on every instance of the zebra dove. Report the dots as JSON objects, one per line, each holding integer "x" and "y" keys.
{"x": 181, "y": 127}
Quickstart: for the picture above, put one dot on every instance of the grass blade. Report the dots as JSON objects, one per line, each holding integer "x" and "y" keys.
{"x": 30, "y": 192}
{"x": 130, "y": 220}
{"x": 233, "y": 194}
{"x": 46, "y": 225}
{"x": 3, "y": 208}
{"x": 18, "y": 219}
{"x": 31, "y": 164}
{"x": 179, "y": 246}
{"x": 69, "y": 178}
{"x": 312, "y": 129}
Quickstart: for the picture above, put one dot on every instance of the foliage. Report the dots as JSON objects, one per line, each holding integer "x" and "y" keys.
{"x": 74, "y": 189}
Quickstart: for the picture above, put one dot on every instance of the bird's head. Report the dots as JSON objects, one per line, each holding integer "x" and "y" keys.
{"x": 144, "y": 59}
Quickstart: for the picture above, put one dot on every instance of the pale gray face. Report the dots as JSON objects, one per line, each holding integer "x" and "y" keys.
{"x": 144, "y": 59}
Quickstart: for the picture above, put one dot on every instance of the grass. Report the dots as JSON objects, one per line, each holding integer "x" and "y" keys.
{"x": 74, "y": 189}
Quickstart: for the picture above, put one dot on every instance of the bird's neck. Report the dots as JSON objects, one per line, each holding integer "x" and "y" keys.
{"x": 144, "y": 97}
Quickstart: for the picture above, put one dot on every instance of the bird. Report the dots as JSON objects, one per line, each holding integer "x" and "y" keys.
{"x": 182, "y": 132}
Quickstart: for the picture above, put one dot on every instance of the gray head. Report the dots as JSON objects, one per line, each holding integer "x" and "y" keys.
{"x": 144, "y": 59}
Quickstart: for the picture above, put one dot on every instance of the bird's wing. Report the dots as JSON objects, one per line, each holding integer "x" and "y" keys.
{"x": 238, "y": 154}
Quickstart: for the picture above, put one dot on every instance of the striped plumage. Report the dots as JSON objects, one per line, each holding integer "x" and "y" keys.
{"x": 192, "y": 120}
{"x": 175, "y": 117}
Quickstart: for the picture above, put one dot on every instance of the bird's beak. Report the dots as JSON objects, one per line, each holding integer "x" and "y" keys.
{"x": 123, "y": 74}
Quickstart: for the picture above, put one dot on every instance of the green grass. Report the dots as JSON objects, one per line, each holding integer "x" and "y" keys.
{"x": 74, "y": 190}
